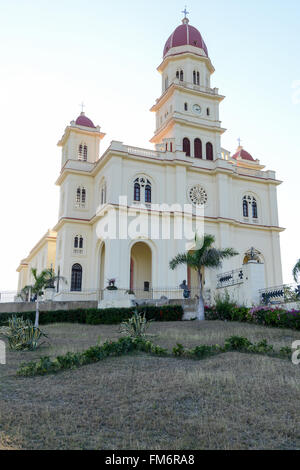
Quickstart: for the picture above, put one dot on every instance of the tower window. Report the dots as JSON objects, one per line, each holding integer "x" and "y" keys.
{"x": 209, "y": 151}
{"x": 76, "y": 278}
{"x": 194, "y": 77}
{"x": 80, "y": 197}
{"x": 198, "y": 148}
{"x": 245, "y": 207}
{"x": 186, "y": 147}
{"x": 78, "y": 242}
{"x": 250, "y": 203}
{"x": 207, "y": 111}
{"x": 254, "y": 209}
{"x": 198, "y": 78}
{"x": 82, "y": 152}
{"x": 186, "y": 106}
{"x": 181, "y": 75}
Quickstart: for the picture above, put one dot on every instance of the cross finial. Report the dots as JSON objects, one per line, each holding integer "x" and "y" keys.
{"x": 82, "y": 105}
{"x": 185, "y": 12}
{"x": 239, "y": 141}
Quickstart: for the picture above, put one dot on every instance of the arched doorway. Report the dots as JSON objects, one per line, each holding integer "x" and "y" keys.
{"x": 141, "y": 270}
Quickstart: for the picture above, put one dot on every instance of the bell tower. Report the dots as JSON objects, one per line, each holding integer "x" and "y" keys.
{"x": 187, "y": 112}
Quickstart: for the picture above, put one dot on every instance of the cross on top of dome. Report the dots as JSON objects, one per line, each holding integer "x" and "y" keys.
{"x": 185, "y": 19}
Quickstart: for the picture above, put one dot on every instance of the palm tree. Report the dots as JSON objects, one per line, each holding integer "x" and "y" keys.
{"x": 296, "y": 270}
{"x": 45, "y": 279}
{"x": 205, "y": 256}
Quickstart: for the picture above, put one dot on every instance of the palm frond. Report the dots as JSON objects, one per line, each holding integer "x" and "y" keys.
{"x": 181, "y": 258}
{"x": 296, "y": 270}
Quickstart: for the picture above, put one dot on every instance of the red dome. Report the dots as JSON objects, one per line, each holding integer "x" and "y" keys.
{"x": 82, "y": 120}
{"x": 241, "y": 153}
{"x": 185, "y": 35}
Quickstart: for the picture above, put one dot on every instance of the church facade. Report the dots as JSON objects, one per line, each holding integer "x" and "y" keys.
{"x": 127, "y": 185}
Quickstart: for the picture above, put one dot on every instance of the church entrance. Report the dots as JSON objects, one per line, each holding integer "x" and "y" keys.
{"x": 141, "y": 270}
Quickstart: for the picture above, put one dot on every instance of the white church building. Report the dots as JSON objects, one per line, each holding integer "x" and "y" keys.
{"x": 187, "y": 166}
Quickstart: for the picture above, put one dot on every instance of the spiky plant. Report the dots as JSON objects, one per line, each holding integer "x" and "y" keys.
{"x": 204, "y": 256}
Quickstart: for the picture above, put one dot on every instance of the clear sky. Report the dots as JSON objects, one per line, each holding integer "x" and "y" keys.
{"x": 56, "y": 53}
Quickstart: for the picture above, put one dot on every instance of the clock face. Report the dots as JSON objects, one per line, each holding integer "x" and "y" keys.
{"x": 197, "y": 108}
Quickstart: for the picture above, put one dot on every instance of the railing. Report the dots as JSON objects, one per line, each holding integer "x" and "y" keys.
{"x": 8, "y": 296}
{"x": 191, "y": 86}
{"x": 258, "y": 174}
{"x": 280, "y": 294}
{"x": 134, "y": 294}
{"x": 142, "y": 152}
{"x": 230, "y": 278}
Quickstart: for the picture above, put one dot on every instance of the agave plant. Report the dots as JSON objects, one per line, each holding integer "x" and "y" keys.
{"x": 21, "y": 334}
{"x": 136, "y": 326}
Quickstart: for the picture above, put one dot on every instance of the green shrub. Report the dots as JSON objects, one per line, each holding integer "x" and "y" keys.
{"x": 21, "y": 334}
{"x": 237, "y": 343}
{"x": 201, "y": 352}
{"x": 178, "y": 350}
{"x": 111, "y": 316}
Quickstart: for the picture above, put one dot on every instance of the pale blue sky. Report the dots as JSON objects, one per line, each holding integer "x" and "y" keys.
{"x": 54, "y": 54}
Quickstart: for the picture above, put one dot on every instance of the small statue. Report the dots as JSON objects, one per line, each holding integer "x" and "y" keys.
{"x": 186, "y": 290}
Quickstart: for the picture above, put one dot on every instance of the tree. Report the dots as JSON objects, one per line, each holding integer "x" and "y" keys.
{"x": 204, "y": 256}
{"x": 296, "y": 270}
{"x": 45, "y": 279}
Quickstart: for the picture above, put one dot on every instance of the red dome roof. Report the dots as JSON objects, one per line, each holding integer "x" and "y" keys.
{"x": 82, "y": 120}
{"x": 241, "y": 153}
{"x": 185, "y": 35}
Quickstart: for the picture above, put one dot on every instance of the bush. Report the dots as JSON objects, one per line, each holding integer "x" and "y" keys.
{"x": 21, "y": 334}
{"x": 268, "y": 316}
{"x": 95, "y": 316}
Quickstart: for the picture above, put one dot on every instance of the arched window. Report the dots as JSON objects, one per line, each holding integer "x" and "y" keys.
{"x": 83, "y": 196}
{"x": 186, "y": 106}
{"x": 142, "y": 190}
{"x": 245, "y": 207}
{"x": 186, "y": 147}
{"x": 103, "y": 192}
{"x": 148, "y": 194}
{"x": 137, "y": 192}
{"x": 250, "y": 204}
{"x": 177, "y": 74}
{"x": 181, "y": 75}
{"x": 254, "y": 209}
{"x": 76, "y": 278}
{"x": 78, "y": 242}
{"x": 85, "y": 152}
{"x": 80, "y": 197}
{"x": 198, "y": 148}
{"x": 198, "y": 78}
{"x": 82, "y": 152}
{"x": 194, "y": 77}
{"x": 209, "y": 151}
{"x": 207, "y": 111}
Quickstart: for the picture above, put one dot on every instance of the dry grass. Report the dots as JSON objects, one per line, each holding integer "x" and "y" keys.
{"x": 232, "y": 401}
